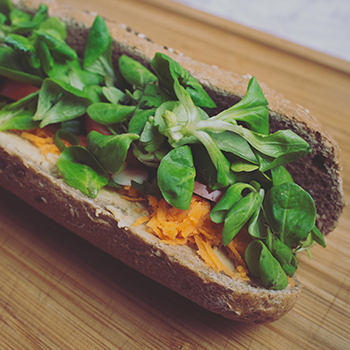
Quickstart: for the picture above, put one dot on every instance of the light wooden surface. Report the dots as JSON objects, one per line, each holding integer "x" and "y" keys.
{"x": 59, "y": 292}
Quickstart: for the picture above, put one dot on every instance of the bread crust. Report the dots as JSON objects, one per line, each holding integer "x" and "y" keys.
{"x": 107, "y": 225}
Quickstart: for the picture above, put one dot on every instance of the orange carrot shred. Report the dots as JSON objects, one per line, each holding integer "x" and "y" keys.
{"x": 194, "y": 227}
{"x": 43, "y": 138}
{"x": 291, "y": 282}
{"x": 141, "y": 220}
{"x": 237, "y": 256}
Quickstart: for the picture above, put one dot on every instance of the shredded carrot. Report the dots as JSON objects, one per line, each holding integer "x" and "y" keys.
{"x": 131, "y": 194}
{"x": 243, "y": 272}
{"x": 41, "y": 140}
{"x": 141, "y": 220}
{"x": 291, "y": 282}
{"x": 194, "y": 227}
{"x": 44, "y": 139}
{"x": 203, "y": 253}
{"x": 236, "y": 255}
{"x": 207, "y": 253}
{"x": 132, "y": 199}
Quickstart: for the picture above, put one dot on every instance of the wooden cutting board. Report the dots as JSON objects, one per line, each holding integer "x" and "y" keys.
{"x": 59, "y": 292}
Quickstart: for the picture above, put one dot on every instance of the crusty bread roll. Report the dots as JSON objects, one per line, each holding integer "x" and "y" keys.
{"x": 106, "y": 221}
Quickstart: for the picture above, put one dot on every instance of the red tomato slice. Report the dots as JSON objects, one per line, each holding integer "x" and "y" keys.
{"x": 206, "y": 192}
{"x": 16, "y": 90}
{"x": 91, "y": 125}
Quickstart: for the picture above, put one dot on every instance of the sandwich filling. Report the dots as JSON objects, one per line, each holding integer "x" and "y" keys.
{"x": 213, "y": 179}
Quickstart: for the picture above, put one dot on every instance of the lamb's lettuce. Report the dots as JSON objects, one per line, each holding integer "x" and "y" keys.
{"x": 19, "y": 115}
{"x": 59, "y": 101}
{"x": 162, "y": 115}
{"x": 98, "y": 52}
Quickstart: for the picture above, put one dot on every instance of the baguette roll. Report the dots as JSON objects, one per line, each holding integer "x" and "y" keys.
{"x": 107, "y": 220}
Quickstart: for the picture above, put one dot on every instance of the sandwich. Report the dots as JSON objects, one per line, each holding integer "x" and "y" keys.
{"x": 208, "y": 182}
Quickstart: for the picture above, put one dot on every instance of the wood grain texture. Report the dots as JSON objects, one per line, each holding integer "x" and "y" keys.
{"x": 59, "y": 292}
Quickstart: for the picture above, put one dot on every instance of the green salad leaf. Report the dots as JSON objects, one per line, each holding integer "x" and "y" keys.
{"x": 63, "y": 134}
{"x": 57, "y": 46}
{"x": 81, "y": 170}
{"x": 110, "y": 150}
{"x": 252, "y": 110}
{"x": 239, "y": 214}
{"x": 176, "y": 174}
{"x": 135, "y": 73}
{"x": 231, "y": 196}
{"x": 23, "y": 23}
{"x": 263, "y": 265}
{"x": 19, "y": 115}
{"x": 98, "y": 52}
{"x": 168, "y": 70}
{"x": 6, "y": 7}
{"x": 54, "y": 24}
{"x": 59, "y": 101}
{"x": 290, "y": 212}
{"x": 107, "y": 113}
